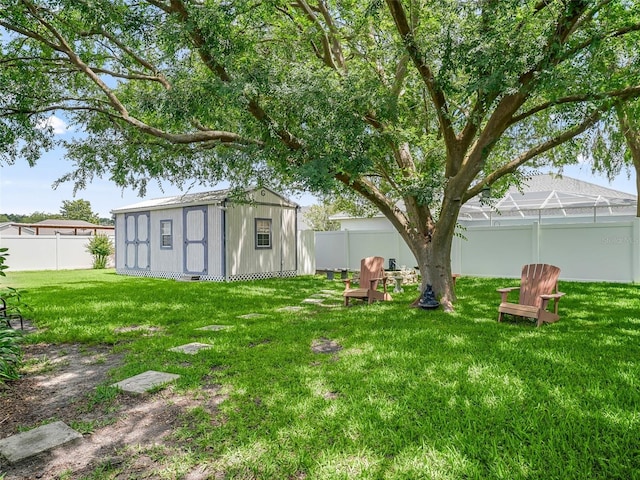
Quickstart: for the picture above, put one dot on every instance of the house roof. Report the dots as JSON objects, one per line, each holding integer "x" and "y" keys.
{"x": 544, "y": 193}
{"x": 215, "y": 197}
{"x": 67, "y": 223}
{"x": 553, "y": 194}
{"x": 53, "y": 226}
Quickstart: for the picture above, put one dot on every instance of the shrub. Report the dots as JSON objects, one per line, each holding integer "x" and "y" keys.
{"x": 3, "y": 258}
{"x": 10, "y": 351}
{"x": 101, "y": 247}
{"x": 10, "y": 354}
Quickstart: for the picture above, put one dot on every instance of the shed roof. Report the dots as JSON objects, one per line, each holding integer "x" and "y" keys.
{"x": 214, "y": 197}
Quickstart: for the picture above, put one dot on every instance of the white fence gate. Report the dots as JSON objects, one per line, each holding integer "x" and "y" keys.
{"x": 583, "y": 251}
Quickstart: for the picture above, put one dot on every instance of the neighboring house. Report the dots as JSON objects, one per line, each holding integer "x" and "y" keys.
{"x": 208, "y": 236}
{"x": 11, "y": 228}
{"x": 544, "y": 198}
{"x": 55, "y": 227}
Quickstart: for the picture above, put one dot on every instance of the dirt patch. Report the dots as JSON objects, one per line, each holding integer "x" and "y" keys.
{"x": 60, "y": 384}
{"x": 325, "y": 345}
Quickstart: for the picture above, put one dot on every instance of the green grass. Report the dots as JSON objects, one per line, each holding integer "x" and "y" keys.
{"x": 412, "y": 394}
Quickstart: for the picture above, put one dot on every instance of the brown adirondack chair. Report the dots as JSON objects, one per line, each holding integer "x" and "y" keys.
{"x": 371, "y": 273}
{"x": 538, "y": 285}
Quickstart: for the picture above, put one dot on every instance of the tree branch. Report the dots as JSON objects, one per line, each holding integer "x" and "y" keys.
{"x": 178, "y": 7}
{"x": 623, "y": 94}
{"x": 436, "y": 94}
{"x": 513, "y": 165}
{"x": 157, "y": 77}
{"x": 611, "y": 34}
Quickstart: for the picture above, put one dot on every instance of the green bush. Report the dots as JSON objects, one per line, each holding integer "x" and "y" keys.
{"x": 10, "y": 354}
{"x": 101, "y": 247}
{"x": 3, "y": 258}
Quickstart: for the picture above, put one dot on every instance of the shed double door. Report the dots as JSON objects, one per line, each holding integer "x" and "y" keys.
{"x": 195, "y": 229}
{"x": 136, "y": 242}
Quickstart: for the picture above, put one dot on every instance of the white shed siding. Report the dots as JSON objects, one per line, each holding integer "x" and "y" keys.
{"x": 119, "y": 241}
{"x": 166, "y": 259}
{"x": 215, "y": 242}
{"x": 243, "y": 259}
{"x": 289, "y": 253}
{"x": 268, "y": 197}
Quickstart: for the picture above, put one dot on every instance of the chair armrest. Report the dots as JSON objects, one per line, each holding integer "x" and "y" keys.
{"x": 504, "y": 292}
{"x": 383, "y": 279}
{"x": 552, "y": 295}
{"x": 347, "y": 282}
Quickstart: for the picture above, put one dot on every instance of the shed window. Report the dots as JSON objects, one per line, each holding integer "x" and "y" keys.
{"x": 263, "y": 233}
{"x": 166, "y": 234}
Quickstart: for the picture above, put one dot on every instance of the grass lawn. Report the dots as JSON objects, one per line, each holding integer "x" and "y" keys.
{"x": 412, "y": 394}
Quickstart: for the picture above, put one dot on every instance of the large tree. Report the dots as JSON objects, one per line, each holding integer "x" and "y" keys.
{"x": 78, "y": 210}
{"x": 424, "y": 101}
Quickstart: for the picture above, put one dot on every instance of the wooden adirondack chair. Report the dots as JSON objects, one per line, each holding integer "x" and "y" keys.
{"x": 371, "y": 273}
{"x": 538, "y": 285}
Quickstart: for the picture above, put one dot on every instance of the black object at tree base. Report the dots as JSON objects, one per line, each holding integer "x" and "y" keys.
{"x": 428, "y": 299}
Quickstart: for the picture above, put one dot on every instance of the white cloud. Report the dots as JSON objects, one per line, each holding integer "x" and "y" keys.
{"x": 58, "y": 125}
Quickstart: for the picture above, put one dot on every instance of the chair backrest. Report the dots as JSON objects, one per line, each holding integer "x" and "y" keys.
{"x": 537, "y": 279}
{"x": 371, "y": 267}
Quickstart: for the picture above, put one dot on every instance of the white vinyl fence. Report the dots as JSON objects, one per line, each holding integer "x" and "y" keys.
{"x": 584, "y": 252}
{"x": 69, "y": 252}
{"x": 47, "y": 252}
{"x": 306, "y": 252}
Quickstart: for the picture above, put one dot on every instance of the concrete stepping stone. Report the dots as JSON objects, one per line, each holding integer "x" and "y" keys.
{"x": 329, "y": 292}
{"x": 213, "y": 328}
{"x": 191, "y": 348}
{"x": 252, "y": 315}
{"x": 325, "y": 345}
{"x": 145, "y": 381}
{"x": 30, "y": 443}
{"x": 323, "y": 295}
{"x": 290, "y": 309}
{"x": 313, "y": 300}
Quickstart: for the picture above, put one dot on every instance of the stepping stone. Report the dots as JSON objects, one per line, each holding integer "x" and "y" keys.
{"x": 137, "y": 328}
{"x": 191, "y": 348}
{"x": 324, "y": 345}
{"x": 329, "y": 292}
{"x": 290, "y": 309}
{"x": 213, "y": 328}
{"x": 323, "y": 295}
{"x": 26, "y": 444}
{"x": 145, "y": 381}
{"x": 313, "y": 300}
{"x": 252, "y": 315}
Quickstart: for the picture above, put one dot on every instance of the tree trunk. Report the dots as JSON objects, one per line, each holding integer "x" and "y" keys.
{"x": 632, "y": 136}
{"x": 434, "y": 260}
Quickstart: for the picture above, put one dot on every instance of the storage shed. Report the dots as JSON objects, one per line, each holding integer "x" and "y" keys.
{"x": 208, "y": 236}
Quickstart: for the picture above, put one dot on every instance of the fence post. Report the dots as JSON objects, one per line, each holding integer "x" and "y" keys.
{"x": 635, "y": 250}
{"x": 57, "y": 251}
{"x": 535, "y": 242}
{"x": 347, "y": 248}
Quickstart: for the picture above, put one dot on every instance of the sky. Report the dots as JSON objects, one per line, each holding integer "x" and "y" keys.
{"x": 25, "y": 190}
